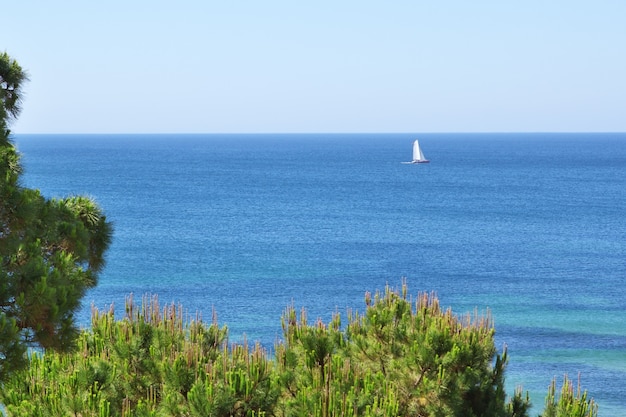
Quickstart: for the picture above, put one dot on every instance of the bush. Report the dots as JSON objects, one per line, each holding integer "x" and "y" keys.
{"x": 398, "y": 358}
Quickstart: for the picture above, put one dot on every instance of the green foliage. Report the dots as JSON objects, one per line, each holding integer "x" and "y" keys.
{"x": 12, "y": 352}
{"x": 440, "y": 364}
{"x": 51, "y": 250}
{"x": 320, "y": 376}
{"x": 398, "y": 358}
{"x": 11, "y": 78}
{"x": 570, "y": 403}
{"x": 146, "y": 364}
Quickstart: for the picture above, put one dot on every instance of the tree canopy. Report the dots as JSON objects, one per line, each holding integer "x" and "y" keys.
{"x": 51, "y": 250}
{"x": 399, "y": 358}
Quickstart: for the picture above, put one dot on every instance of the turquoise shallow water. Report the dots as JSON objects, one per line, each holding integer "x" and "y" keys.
{"x": 528, "y": 226}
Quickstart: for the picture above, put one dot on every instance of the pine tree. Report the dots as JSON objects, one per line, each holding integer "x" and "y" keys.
{"x": 51, "y": 250}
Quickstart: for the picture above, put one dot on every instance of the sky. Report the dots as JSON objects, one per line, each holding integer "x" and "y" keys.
{"x": 279, "y": 66}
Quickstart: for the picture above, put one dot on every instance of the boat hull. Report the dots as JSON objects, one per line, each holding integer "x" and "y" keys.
{"x": 423, "y": 161}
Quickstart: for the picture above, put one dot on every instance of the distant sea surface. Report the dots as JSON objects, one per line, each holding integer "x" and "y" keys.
{"x": 531, "y": 227}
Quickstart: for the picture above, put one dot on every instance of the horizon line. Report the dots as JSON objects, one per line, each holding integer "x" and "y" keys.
{"x": 326, "y": 133}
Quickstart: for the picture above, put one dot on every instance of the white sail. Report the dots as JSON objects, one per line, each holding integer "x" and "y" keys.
{"x": 417, "y": 152}
{"x": 418, "y": 155}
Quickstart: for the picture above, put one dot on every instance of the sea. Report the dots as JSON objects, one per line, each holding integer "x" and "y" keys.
{"x": 530, "y": 228}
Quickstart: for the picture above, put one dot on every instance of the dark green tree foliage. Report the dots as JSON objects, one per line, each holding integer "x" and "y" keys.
{"x": 397, "y": 359}
{"x": 570, "y": 403}
{"x": 51, "y": 250}
{"x": 440, "y": 364}
{"x": 320, "y": 375}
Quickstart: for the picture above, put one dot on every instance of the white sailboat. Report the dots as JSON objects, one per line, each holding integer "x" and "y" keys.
{"x": 418, "y": 155}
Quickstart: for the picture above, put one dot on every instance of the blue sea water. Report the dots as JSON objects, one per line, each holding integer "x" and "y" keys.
{"x": 531, "y": 227}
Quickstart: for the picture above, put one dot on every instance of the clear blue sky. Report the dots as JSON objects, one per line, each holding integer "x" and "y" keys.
{"x": 205, "y": 66}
